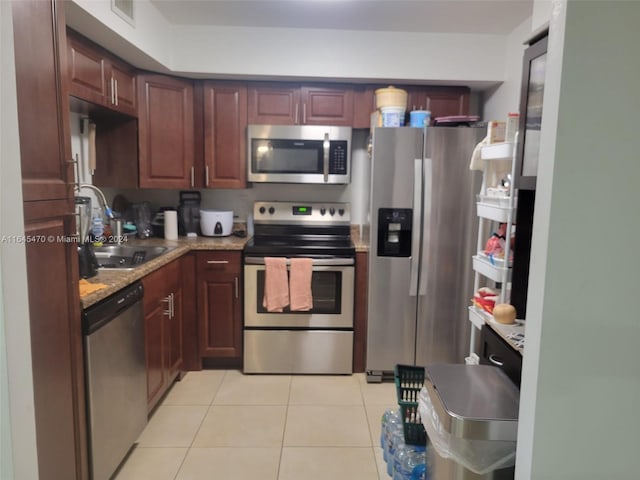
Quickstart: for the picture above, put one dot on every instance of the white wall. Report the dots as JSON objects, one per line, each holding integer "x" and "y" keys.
{"x": 581, "y": 378}
{"x": 505, "y": 98}
{"x": 268, "y": 52}
{"x": 18, "y": 457}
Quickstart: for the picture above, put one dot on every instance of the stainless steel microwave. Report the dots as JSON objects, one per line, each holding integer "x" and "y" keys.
{"x": 299, "y": 154}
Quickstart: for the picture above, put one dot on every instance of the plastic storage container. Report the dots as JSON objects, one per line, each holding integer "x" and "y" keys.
{"x": 391, "y": 97}
{"x": 393, "y": 116}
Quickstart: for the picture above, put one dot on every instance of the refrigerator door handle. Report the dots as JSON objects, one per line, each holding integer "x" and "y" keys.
{"x": 426, "y": 227}
{"x": 415, "y": 228}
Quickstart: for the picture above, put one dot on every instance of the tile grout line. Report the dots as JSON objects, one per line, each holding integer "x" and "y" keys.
{"x": 284, "y": 429}
{"x": 199, "y": 427}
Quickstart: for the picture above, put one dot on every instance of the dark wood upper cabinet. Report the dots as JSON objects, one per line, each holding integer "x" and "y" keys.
{"x": 225, "y": 145}
{"x": 45, "y": 140}
{"x": 440, "y": 101}
{"x": 98, "y": 77}
{"x": 275, "y": 104}
{"x": 290, "y": 104}
{"x": 364, "y": 104}
{"x": 327, "y": 105}
{"x": 165, "y": 132}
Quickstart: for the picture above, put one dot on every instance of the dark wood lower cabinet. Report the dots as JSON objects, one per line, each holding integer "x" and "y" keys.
{"x": 56, "y": 341}
{"x": 163, "y": 329}
{"x": 219, "y": 291}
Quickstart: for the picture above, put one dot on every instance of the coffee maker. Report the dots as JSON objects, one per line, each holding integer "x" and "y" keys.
{"x": 86, "y": 256}
{"x": 189, "y": 213}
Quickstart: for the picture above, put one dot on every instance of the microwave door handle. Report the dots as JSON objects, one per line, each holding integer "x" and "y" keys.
{"x": 415, "y": 227}
{"x": 325, "y": 161}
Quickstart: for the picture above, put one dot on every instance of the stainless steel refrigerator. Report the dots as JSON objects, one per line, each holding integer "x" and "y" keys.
{"x": 422, "y": 236}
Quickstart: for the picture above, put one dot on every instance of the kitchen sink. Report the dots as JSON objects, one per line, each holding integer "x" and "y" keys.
{"x": 127, "y": 257}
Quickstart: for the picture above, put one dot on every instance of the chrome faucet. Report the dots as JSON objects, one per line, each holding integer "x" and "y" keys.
{"x": 101, "y": 197}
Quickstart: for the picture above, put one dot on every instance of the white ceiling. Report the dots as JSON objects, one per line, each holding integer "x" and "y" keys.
{"x": 438, "y": 16}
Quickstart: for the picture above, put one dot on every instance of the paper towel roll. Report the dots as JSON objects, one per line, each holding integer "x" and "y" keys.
{"x": 170, "y": 224}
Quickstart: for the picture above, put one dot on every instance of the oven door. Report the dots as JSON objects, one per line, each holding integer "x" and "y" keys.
{"x": 332, "y": 288}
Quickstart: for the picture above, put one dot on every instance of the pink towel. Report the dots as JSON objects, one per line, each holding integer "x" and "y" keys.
{"x": 276, "y": 289}
{"x": 300, "y": 284}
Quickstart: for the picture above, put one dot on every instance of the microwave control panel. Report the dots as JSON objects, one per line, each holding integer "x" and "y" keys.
{"x": 338, "y": 157}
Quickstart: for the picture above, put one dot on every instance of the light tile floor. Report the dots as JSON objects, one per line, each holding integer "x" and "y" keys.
{"x": 223, "y": 425}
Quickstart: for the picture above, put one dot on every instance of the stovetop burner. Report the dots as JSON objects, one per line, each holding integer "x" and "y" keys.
{"x": 297, "y": 229}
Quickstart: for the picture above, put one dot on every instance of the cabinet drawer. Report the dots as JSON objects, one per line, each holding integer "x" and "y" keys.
{"x": 223, "y": 262}
{"x": 497, "y": 352}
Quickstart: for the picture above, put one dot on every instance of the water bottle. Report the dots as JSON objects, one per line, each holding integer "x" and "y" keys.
{"x": 413, "y": 464}
{"x": 393, "y": 420}
{"x": 387, "y": 417}
{"x": 400, "y": 453}
{"x": 396, "y": 442}
{"x": 97, "y": 228}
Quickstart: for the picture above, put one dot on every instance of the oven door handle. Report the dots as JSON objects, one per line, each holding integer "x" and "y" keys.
{"x": 316, "y": 261}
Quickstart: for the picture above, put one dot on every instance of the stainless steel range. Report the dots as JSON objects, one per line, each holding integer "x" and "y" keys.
{"x": 318, "y": 341}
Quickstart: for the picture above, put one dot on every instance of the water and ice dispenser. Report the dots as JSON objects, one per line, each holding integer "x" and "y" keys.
{"x": 394, "y": 232}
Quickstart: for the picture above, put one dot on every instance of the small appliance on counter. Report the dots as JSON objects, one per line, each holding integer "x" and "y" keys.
{"x": 216, "y": 223}
{"x": 189, "y": 213}
{"x": 87, "y": 260}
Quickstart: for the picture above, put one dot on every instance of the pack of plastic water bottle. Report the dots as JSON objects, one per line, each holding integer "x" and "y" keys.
{"x": 404, "y": 462}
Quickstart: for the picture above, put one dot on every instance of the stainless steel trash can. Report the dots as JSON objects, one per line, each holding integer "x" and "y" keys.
{"x": 470, "y": 413}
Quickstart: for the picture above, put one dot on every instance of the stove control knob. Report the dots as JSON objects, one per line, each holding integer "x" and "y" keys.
{"x": 272, "y": 210}
{"x": 262, "y": 210}
{"x": 323, "y": 211}
{"x": 341, "y": 212}
{"x": 332, "y": 211}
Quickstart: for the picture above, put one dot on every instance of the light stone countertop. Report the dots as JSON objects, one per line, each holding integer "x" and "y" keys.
{"x": 118, "y": 279}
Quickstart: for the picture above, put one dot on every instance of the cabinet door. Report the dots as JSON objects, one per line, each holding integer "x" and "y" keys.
{"x": 43, "y": 103}
{"x": 364, "y": 104}
{"x": 56, "y": 343}
{"x": 445, "y": 102}
{"x": 274, "y": 104}
{"x": 219, "y": 304}
{"x": 165, "y": 132}
{"x": 327, "y": 106}
{"x": 154, "y": 340}
{"x": 225, "y": 144}
{"x": 440, "y": 101}
{"x": 87, "y": 71}
{"x": 123, "y": 83}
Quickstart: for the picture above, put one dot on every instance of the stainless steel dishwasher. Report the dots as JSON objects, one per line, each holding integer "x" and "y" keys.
{"x": 115, "y": 378}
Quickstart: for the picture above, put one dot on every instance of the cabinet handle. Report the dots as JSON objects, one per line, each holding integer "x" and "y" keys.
{"x": 218, "y": 262}
{"x": 236, "y": 282}
{"x": 76, "y": 182}
{"x": 296, "y": 115}
{"x": 172, "y": 304}
{"x": 193, "y": 176}
{"x": 496, "y": 360}
{"x": 115, "y": 95}
{"x": 167, "y": 312}
{"x": 304, "y": 113}
{"x": 206, "y": 175}
{"x": 112, "y": 91}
